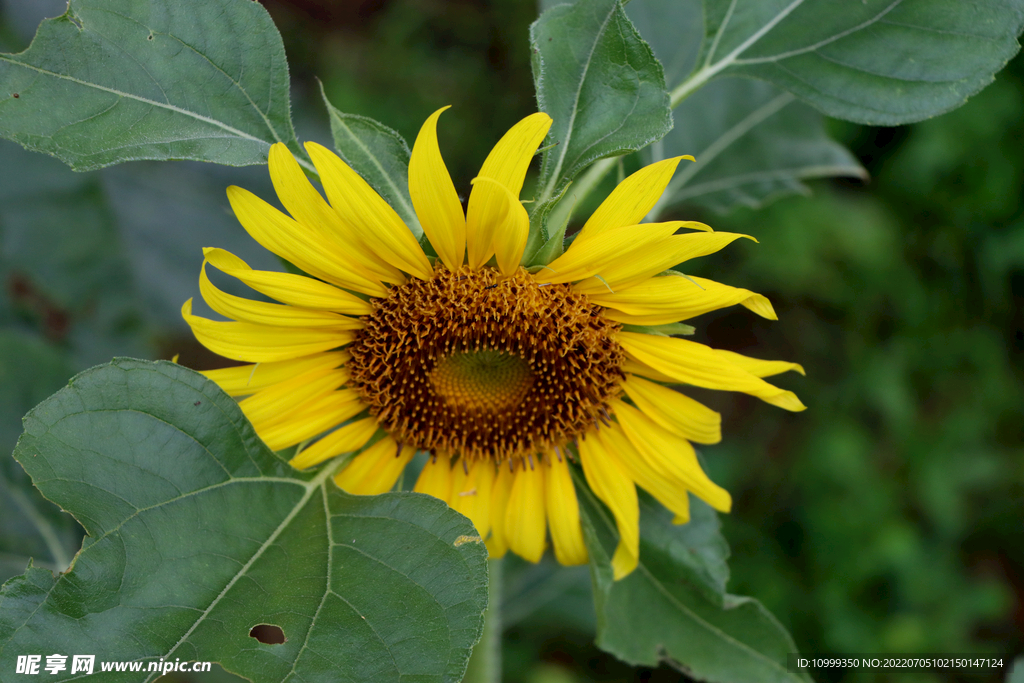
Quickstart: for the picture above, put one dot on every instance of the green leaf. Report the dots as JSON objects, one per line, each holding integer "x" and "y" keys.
{"x": 30, "y": 370}
{"x": 673, "y": 608}
{"x": 117, "y": 80}
{"x": 164, "y": 215}
{"x": 62, "y": 256}
{"x": 880, "y": 62}
{"x": 121, "y": 275}
{"x": 197, "y": 533}
{"x": 379, "y": 155}
{"x": 546, "y": 597}
{"x": 602, "y": 85}
{"x": 753, "y": 143}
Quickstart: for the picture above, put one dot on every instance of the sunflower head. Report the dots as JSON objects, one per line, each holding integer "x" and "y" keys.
{"x": 510, "y": 375}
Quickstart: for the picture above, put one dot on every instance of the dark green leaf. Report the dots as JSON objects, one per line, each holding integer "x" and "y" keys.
{"x": 881, "y": 62}
{"x": 546, "y": 597}
{"x": 379, "y": 155}
{"x": 63, "y": 262}
{"x": 116, "y": 80}
{"x": 105, "y": 259}
{"x": 602, "y": 85}
{"x": 197, "y": 533}
{"x": 30, "y": 370}
{"x": 674, "y": 607}
{"x": 165, "y": 214}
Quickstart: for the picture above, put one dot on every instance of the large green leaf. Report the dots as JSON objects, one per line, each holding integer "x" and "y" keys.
{"x": 752, "y": 141}
{"x": 380, "y": 155}
{"x": 881, "y": 62}
{"x": 198, "y": 533}
{"x": 673, "y": 608}
{"x": 116, "y": 80}
{"x": 602, "y": 85}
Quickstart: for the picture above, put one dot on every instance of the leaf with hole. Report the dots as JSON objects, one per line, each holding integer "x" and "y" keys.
{"x": 117, "y": 80}
{"x": 197, "y": 534}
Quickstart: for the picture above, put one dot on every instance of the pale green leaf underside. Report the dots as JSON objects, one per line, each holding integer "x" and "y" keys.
{"x": 752, "y": 141}
{"x": 600, "y": 83}
{"x": 673, "y": 608}
{"x": 379, "y": 155}
{"x": 118, "y": 80}
{"x": 197, "y": 533}
{"x": 881, "y": 62}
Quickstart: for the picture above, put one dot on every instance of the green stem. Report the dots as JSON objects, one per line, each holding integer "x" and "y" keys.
{"x": 485, "y": 662}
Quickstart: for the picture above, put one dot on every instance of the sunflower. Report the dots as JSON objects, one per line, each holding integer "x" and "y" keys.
{"x": 510, "y": 374}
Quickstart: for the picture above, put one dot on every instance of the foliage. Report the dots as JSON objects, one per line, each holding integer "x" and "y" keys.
{"x": 365, "y": 588}
{"x": 848, "y": 518}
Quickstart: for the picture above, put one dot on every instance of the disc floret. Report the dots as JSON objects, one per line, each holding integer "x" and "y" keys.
{"x": 478, "y": 365}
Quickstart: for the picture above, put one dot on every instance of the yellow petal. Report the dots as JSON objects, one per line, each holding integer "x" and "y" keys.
{"x": 288, "y": 288}
{"x": 310, "y": 419}
{"x": 511, "y": 230}
{"x": 299, "y": 244}
{"x": 434, "y": 197}
{"x": 655, "y": 258}
{"x": 261, "y": 343}
{"x": 584, "y": 257}
{"x": 375, "y": 470}
{"x": 563, "y": 512}
{"x": 524, "y": 514}
{"x": 306, "y": 205}
{"x": 243, "y": 380}
{"x": 436, "y": 478}
{"x": 632, "y": 366}
{"x": 610, "y": 481}
{"x": 263, "y": 313}
{"x": 692, "y": 363}
{"x": 633, "y": 198}
{"x": 760, "y": 368}
{"x": 670, "y": 455}
{"x": 507, "y": 164}
{"x": 284, "y": 395}
{"x": 671, "y": 298}
{"x": 497, "y": 543}
{"x": 471, "y": 493}
{"x": 674, "y": 411}
{"x": 345, "y": 439}
{"x": 376, "y": 223}
{"x": 666, "y": 490}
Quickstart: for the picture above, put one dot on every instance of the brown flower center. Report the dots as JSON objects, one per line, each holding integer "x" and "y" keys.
{"x": 477, "y": 365}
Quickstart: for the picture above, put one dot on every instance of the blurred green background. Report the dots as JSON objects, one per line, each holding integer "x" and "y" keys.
{"x": 889, "y": 517}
